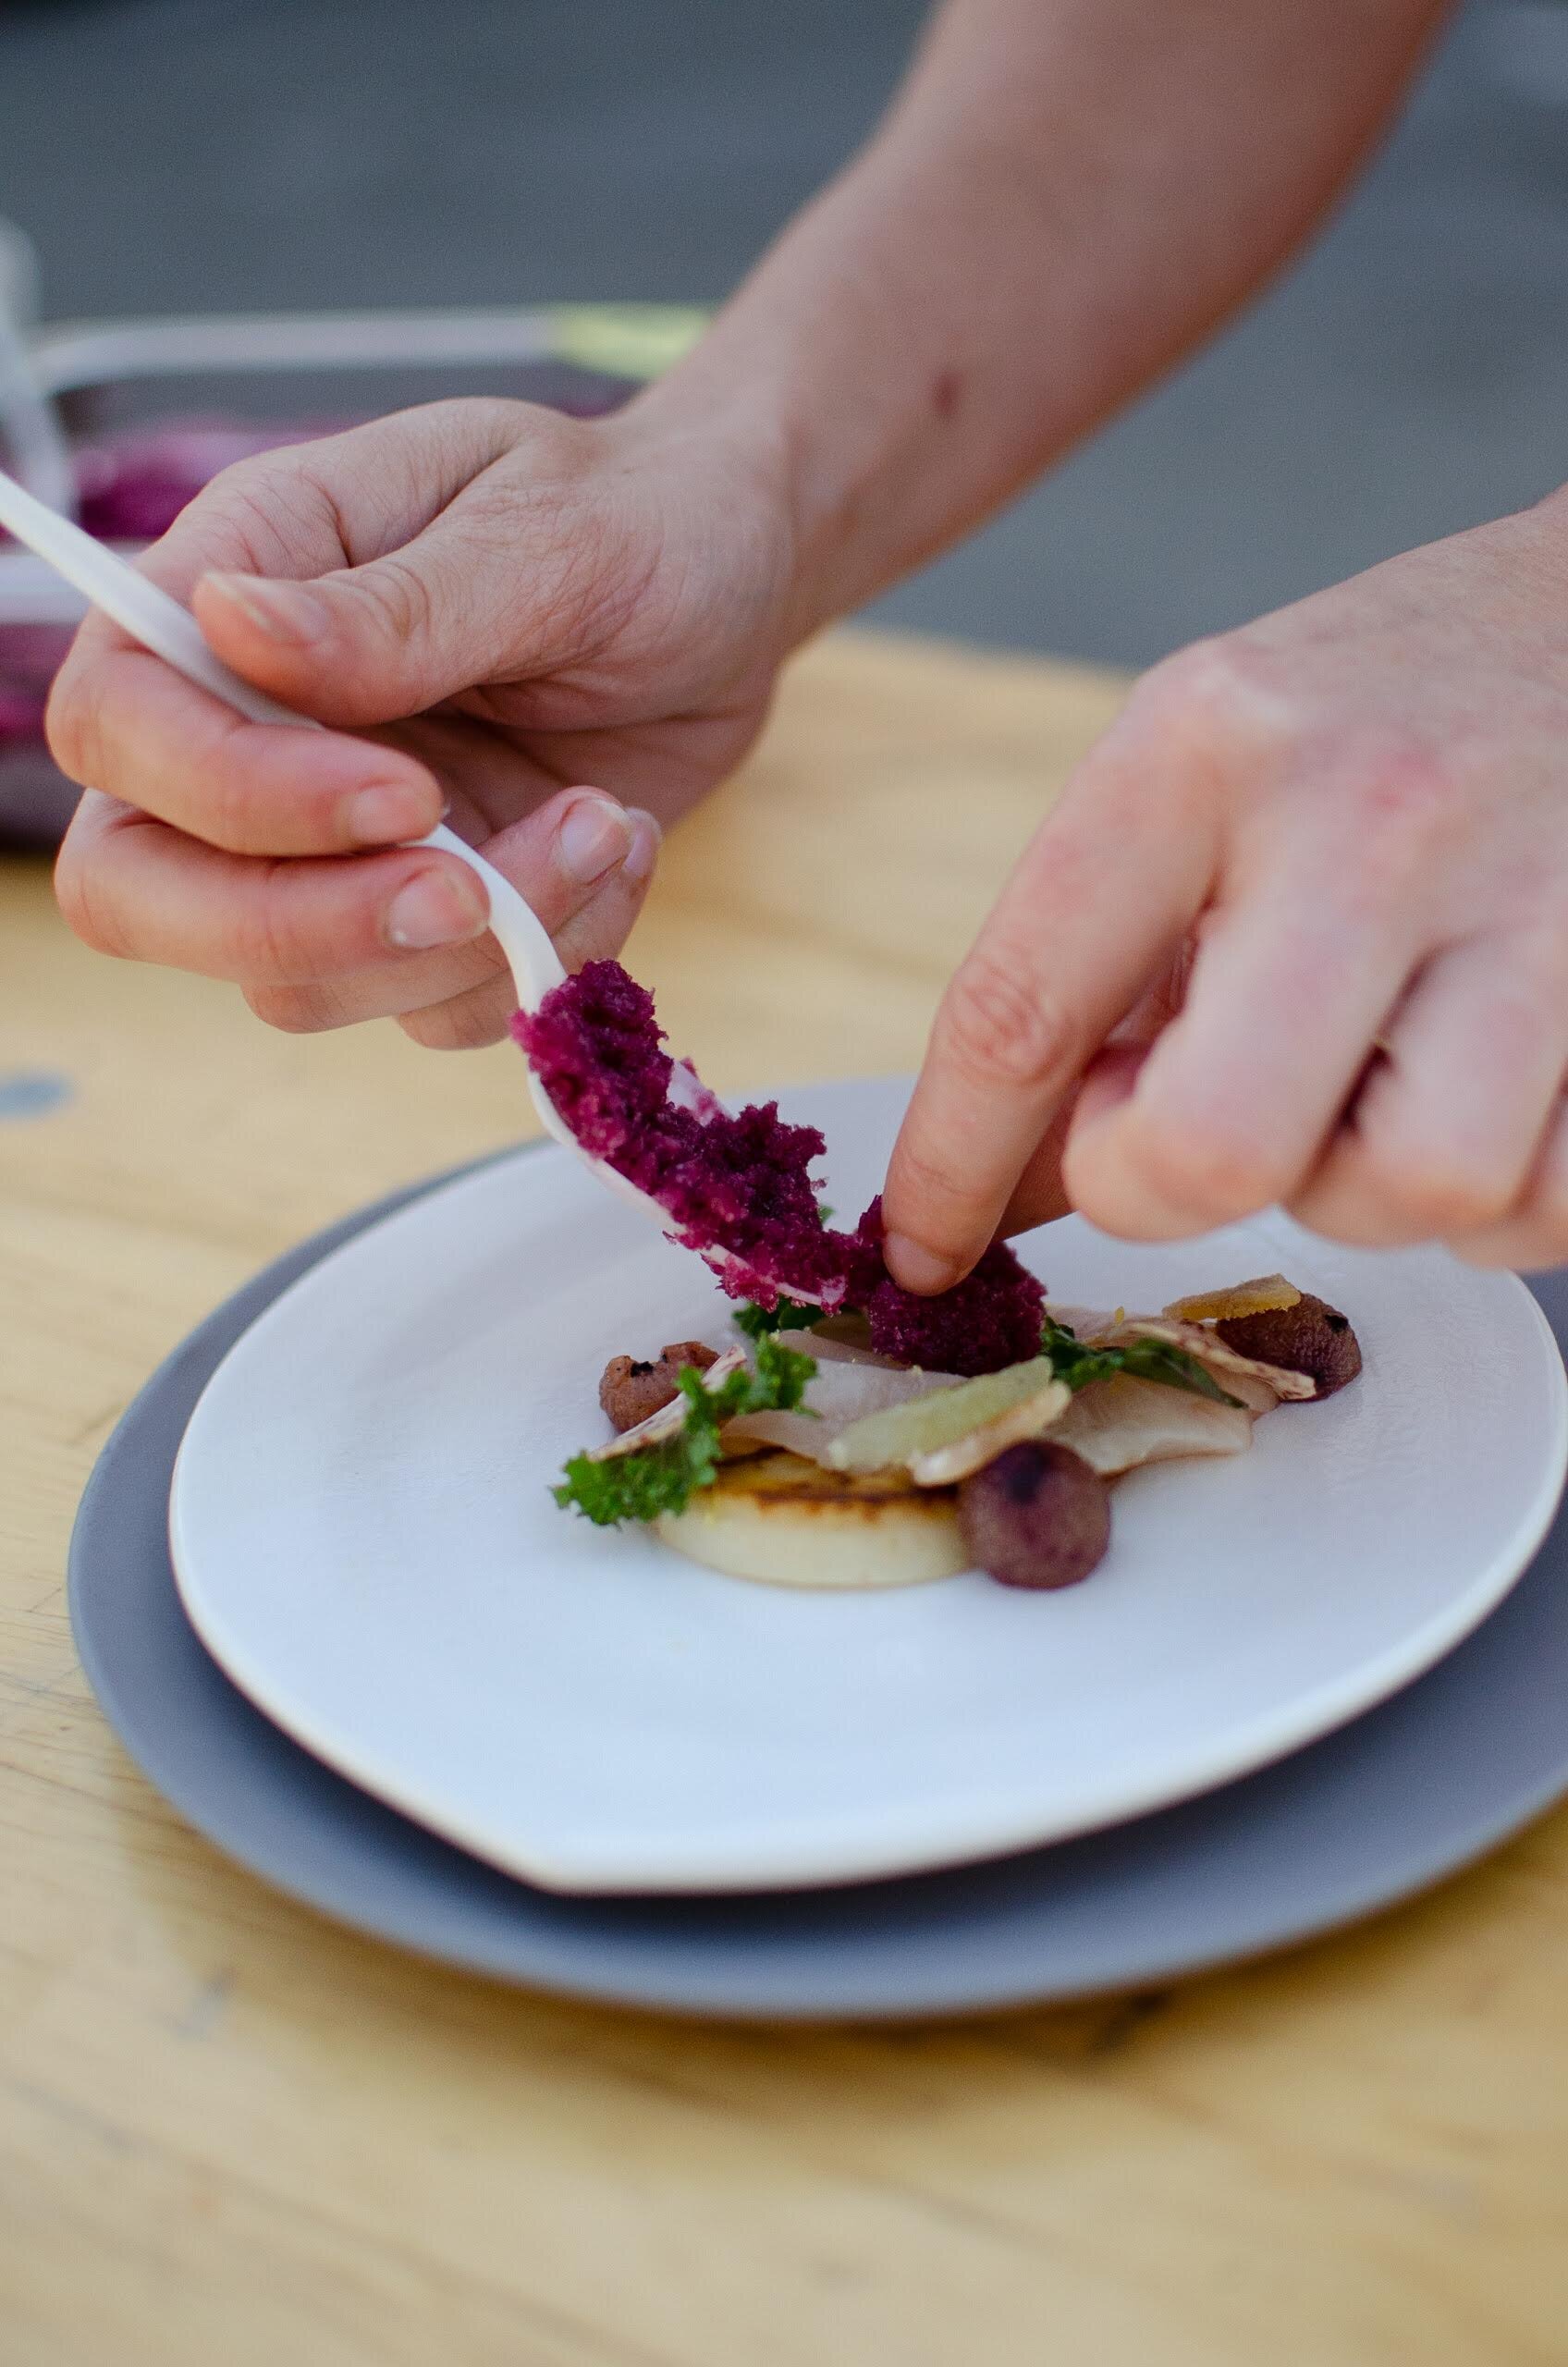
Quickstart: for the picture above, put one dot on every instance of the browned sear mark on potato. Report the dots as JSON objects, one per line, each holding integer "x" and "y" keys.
{"x": 631, "y": 1390}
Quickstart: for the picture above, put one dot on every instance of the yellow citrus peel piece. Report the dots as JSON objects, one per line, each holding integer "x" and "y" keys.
{"x": 1264, "y": 1296}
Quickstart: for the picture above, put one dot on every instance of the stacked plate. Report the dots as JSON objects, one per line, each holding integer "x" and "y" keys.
{"x": 380, "y": 1667}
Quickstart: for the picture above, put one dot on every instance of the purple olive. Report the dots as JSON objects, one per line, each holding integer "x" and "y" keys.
{"x": 1310, "y": 1337}
{"x": 1038, "y": 1516}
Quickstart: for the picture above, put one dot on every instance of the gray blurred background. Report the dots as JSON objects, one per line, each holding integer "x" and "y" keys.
{"x": 1410, "y": 377}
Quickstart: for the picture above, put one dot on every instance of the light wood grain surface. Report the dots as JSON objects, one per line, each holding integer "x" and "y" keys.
{"x": 231, "y": 2132}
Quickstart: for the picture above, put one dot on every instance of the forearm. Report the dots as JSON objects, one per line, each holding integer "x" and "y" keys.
{"x": 1067, "y": 195}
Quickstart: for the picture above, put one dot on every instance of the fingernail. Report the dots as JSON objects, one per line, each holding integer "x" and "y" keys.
{"x": 393, "y": 810}
{"x": 646, "y": 839}
{"x": 915, "y": 1267}
{"x": 438, "y": 908}
{"x": 285, "y": 612}
{"x": 595, "y": 837}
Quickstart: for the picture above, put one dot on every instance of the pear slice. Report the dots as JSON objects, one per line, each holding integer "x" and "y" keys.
{"x": 941, "y": 1437}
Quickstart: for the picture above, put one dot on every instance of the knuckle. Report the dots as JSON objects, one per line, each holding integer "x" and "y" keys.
{"x": 1545, "y": 1209}
{"x": 1536, "y": 989}
{"x": 1003, "y": 1028}
{"x": 922, "y": 1180}
{"x": 1206, "y": 701}
{"x": 397, "y": 596}
{"x": 1211, "y": 1171}
{"x": 1521, "y": 1249}
{"x": 259, "y": 509}
{"x": 272, "y": 943}
{"x": 465, "y": 1023}
{"x": 228, "y": 814}
{"x": 1534, "y": 1236}
{"x": 75, "y": 726}
{"x": 297, "y": 1010}
{"x": 1435, "y": 1191}
{"x": 63, "y": 725}
{"x": 85, "y": 902}
{"x": 1399, "y": 820}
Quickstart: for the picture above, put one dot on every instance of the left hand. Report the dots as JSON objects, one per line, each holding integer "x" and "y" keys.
{"x": 1296, "y": 932}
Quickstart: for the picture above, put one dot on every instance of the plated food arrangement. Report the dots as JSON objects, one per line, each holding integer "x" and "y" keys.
{"x": 826, "y": 1463}
{"x": 365, "y": 1537}
{"x": 855, "y": 1435}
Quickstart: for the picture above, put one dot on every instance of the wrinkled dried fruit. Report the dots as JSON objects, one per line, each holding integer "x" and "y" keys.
{"x": 1038, "y": 1516}
{"x": 668, "y": 1421}
{"x": 630, "y": 1389}
{"x": 1310, "y": 1337}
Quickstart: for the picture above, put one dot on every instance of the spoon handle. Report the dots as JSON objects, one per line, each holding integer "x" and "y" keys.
{"x": 145, "y": 611}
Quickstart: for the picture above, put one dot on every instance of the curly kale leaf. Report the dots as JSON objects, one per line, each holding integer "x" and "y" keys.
{"x": 1078, "y": 1365}
{"x": 756, "y": 1322}
{"x": 663, "y": 1478}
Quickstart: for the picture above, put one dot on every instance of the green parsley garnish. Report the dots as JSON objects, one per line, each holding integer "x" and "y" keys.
{"x": 756, "y": 1322}
{"x": 1140, "y": 1359}
{"x": 663, "y": 1478}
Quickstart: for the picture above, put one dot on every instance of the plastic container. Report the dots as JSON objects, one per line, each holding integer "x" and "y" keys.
{"x": 122, "y": 421}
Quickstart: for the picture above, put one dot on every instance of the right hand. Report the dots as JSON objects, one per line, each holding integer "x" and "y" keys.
{"x": 489, "y": 601}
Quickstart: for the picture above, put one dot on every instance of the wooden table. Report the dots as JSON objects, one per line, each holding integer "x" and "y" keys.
{"x": 231, "y": 2132}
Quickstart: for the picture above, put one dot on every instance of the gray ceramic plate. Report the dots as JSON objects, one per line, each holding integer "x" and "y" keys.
{"x": 1407, "y": 1793}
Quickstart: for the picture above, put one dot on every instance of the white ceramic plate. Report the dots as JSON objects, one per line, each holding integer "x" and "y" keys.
{"x": 363, "y": 1538}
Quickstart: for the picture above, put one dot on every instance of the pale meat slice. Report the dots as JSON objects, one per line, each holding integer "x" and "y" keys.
{"x": 841, "y": 1391}
{"x": 1116, "y": 1425}
{"x": 1260, "y": 1386}
{"x": 843, "y": 1347}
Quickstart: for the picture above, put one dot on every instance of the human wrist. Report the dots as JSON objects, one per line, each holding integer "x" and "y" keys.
{"x": 812, "y": 386}
{"x": 731, "y": 428}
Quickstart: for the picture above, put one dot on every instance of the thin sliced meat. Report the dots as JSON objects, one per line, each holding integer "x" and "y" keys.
{"x": 840, "y": 1391}
{"x": 1260, "y": 1385}
{"x": 1116, "y": 1425}
{"x": 1229, "y": 1369}
{"x": 835, "y": 1348}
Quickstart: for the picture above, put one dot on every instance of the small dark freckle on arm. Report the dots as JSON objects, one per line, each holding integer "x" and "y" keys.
{"x": 946, "y": 393}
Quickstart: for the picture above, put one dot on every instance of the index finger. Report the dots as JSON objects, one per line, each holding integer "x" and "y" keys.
{"x": 1100, "y": 901}
{"x": 270, "y": 512}
{"x": 123, "y": 722}
{"x": 136, "y": 728}
{"x": 301, "y": 511}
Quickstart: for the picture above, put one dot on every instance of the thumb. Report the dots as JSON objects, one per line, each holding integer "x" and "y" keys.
{"x": 371, "y": 644}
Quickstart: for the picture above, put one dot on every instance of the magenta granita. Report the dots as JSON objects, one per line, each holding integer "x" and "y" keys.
{"x": 993, "y": 1317}
{"x": 740, "y": 1182}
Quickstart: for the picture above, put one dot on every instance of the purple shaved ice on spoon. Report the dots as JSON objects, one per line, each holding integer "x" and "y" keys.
{"x": 739, "y": 1182}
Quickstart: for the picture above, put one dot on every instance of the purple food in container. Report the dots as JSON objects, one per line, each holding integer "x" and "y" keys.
{"x": 144, "y": 413}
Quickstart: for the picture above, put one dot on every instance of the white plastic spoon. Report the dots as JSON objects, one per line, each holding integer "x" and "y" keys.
{"x": 148, "y": 613}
